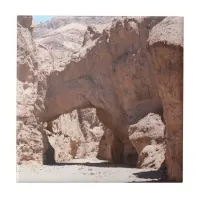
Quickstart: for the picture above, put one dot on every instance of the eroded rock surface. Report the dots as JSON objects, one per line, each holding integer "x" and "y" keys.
{"x": 152, "y": 156}
{"x": 26, "y": 22}
{"x": 109, "y": 73}
{"x": 147, "y": 136}
{"x": 103, "y": 76}
{"x": 166, "y": 50}
{"x": 114, "y": 72}
{"x": 43, "y": 29}
{"x": 78, "y": 135}
{"x": 32, "y": 142}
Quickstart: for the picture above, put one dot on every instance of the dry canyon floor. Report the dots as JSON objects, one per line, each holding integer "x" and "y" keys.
{"x": 86, "y": 171}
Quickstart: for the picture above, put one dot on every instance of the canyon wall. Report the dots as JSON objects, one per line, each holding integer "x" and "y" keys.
{"x": 110, "y": 74}
{"x": 32, "y": 142}
{"x": 78, "y": 135}
{"x": 125, "y": 70}
{"x": 166, "y": 50}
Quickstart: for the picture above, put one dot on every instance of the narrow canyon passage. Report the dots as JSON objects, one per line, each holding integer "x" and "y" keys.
{"x": 102, "y": 168}
{"x": 106, "y": 91}
{"x": 81, "y": 134}
{"x": 100, "y": 156}
{"x": 88, "y": 170}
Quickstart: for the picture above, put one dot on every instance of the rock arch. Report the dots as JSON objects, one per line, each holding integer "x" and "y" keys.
{"x": 111, "y": 76}
{"x": 116, "y": 74}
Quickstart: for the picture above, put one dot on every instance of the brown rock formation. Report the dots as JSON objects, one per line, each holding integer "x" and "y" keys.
{"x": 166, "y": 50}
{"x": 152, "y": 156}
{"x": 105, "y": 145}
{"x": 66, "y": 137}
{"x": 93, "y": 83}
{"x": 43, "y": 29}
{"x": 114, "y": 73}
{"x": 32, "y": 142}
{"x": 110, "y": 75}
{"x": 93, "y": 130}
{"x": 148, "y": 136}
{"x": 26, "y": 22}
{"x": 64, "y": 36}
{"x": 78, "y": 135}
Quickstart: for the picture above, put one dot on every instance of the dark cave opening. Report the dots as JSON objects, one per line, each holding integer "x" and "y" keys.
{"x": 49, "y": 156}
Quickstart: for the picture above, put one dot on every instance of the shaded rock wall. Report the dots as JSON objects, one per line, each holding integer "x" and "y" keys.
{"x": 166, "y": 50}
{"x": 32, "y": 142}
{"x": 105, "y": 145}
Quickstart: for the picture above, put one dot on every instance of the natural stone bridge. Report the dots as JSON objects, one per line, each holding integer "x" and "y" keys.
{"x": 130, "y": 70}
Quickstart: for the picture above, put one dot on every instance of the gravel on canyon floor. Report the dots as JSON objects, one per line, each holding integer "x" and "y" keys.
{"x": 86, "y": 171}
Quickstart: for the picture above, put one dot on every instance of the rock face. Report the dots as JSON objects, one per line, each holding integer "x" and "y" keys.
{"x": 64, "y": 36}
{"x": 56, "y": 140}
{"x": 26, "y": 22}
{"x": 105, "y": 144}
{"x": 63, "y": 42}
{"x": 166, "y": 50}
{"x": 109, "y": 74}
{"x": 94, "y": 132}
{"x": 35, "y": 142}
{"x": 125, "y": 71}
{"x": 32, "y": 142}
{"x": 152, "y": 156}
{"x": 147, "y": 136}
{"x": 43, "y": 29}
{"x": 78, "y": 135}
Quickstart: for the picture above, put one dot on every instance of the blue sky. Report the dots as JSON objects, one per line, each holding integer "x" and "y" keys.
{"x": 41, "y": 18}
